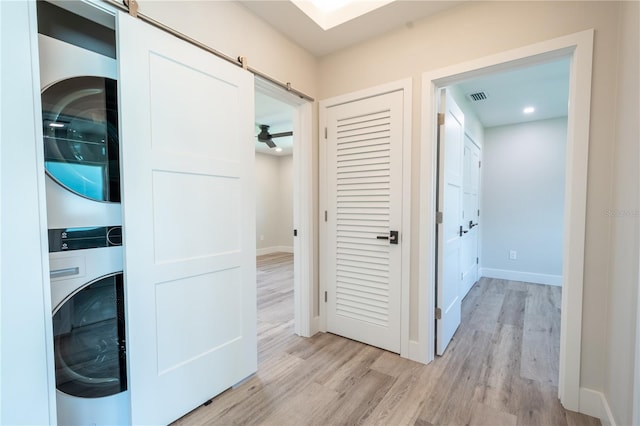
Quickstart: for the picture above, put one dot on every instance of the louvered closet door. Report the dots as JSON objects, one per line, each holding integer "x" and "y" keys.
{"x": 364, "y": 184}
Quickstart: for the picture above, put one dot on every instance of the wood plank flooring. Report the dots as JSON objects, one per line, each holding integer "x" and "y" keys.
{"x": 500, "y": 369}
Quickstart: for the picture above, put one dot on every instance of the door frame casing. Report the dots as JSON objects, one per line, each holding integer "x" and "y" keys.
{"x": 303, "y": 243}
{"x": 405, "y": 86}
{"x": 579, "y": 47}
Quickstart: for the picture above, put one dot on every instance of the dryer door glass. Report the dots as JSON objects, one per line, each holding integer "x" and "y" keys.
{"x": 80, "y": 127}
{"x": 89, "y": 345}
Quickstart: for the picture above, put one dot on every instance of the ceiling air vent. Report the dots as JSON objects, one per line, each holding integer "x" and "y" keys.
{"x": 478, "y": 96}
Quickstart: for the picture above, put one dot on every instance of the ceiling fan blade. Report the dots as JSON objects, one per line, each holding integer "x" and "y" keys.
{"x": 281, "y": 134}
{"x": 270, "y": 143}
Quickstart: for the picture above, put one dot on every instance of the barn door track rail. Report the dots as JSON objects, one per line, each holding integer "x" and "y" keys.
{"x": 131, "y": 7}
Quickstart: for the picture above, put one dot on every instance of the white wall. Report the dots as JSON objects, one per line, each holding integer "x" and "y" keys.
{"x": 623, "y": 215}
{"x": 274, "y": 203}
{"x": 522, "y": 201}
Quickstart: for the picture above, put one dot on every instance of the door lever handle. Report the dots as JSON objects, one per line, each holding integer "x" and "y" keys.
{"x": 382, "y": 237}
{"x": 463, "y": 231}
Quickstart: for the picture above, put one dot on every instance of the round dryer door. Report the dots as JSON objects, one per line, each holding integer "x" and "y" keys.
{"x": 80, "y": 127}
{"x": 89, "y": 345}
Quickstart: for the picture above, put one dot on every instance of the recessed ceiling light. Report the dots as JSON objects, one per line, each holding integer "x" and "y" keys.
{"x": 278, "y": 149}
{"x": 528, "y": 110}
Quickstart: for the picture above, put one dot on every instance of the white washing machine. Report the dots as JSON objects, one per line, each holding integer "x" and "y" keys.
{"x": 89, "y": 337}
{"x": 80, "y": 129}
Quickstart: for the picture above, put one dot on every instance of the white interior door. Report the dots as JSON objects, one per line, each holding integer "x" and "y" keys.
{"x": 450, "y": 231}
{"x": 364, "y": 216}
{"x": 189, "y": 222}
{"x": 470, "y": 215}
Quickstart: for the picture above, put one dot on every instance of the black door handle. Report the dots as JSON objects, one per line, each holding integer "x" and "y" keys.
{"x": 462, "y": 231}
{"x": 382, "y": 237}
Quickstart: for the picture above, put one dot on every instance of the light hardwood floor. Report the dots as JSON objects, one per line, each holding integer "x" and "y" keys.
{"x": 500, "y": 369}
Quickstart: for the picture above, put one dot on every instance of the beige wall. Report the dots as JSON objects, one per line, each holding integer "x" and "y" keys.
{"x": 274, "y": 201}
{"x": 231, "y": 29}
{"x": 624, "y": 215}
{"x": 478, "y": 29}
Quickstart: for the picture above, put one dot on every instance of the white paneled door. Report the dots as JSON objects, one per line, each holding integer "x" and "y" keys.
{"x": 470, "y": 216}
{"x": 451, "y": 229}
{"x": 364, "y": 216}
{"x": 189, "y": 225}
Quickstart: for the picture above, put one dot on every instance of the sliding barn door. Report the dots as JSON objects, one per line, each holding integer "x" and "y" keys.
{"x": 364, "y": 193}
{"x": 188, "y": 217}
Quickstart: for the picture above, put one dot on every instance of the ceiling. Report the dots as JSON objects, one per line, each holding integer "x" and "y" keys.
{"x": 291, "y": 21}
{"x": 544, "y": 87}
{"x": 279, "y": 116}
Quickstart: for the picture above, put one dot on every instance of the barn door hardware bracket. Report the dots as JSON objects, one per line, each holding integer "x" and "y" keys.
{"x": 243, "y": 62}
{"x": 132, "y": 5}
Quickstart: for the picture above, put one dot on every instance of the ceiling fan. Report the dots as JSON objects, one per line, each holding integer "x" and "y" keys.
{"x": 266, "y": 137}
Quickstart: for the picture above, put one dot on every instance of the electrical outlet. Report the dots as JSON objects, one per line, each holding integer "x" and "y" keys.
{"x": 513, "y": 255}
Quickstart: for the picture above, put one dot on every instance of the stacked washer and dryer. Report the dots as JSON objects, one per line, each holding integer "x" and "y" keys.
{"x": 80, "y": 127}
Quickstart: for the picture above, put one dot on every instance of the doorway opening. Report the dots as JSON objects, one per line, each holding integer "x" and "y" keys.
{"x": 284, "y": 235}
{"x": 516, "y": 121}
{"x": 578, "y": 48}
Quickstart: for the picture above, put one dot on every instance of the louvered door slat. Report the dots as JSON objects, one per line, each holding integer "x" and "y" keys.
{"x": 364, "y": 156}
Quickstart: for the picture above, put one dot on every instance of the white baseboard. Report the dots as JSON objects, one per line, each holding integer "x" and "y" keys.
{"x": 415, "y": 352}
{"x": 274, "y": 249}
{"x": 594, "y": 403}
{"x": 529, "y": 277}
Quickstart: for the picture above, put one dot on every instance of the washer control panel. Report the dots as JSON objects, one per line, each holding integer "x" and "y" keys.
{"x": 67, "y": 239}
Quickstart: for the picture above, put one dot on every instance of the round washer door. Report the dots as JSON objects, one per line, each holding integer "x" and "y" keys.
{"x": 89, "y": 344}
{"x": 80, "y": 128}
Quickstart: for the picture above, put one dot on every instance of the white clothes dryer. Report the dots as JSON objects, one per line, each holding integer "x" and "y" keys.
{"x": 80, "y": 127}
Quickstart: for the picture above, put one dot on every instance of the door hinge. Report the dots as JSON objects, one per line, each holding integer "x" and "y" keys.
{"x": 438, "y": 313}
{"x": 479, "y": 164}
{"x": 325, "y": 215}
{"x": 325, "y": 133}
{"x": 325, "y": 297}
{"x": 295, "y": 232}
{"x": 477, "y": 260}
{"x": 478, "y": 212}
{"x": 440, "y": 119}
{"x": 438, "y": 217}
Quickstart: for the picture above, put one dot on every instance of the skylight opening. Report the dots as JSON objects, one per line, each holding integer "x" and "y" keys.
{"x": 331, "y": 5}
{"x": 331, "y": 13}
